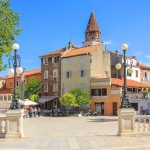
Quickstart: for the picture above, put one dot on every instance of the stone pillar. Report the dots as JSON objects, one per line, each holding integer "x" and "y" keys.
{"x": 126, "y": 122}
{"x": 14, "y": 124}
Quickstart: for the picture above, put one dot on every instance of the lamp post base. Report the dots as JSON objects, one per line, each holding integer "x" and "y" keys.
{"x": 14, "y": 124}
{"x": 15, "y": 104}
{"x": 126, "y": 122}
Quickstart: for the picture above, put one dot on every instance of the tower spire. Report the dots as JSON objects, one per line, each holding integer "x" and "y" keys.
{"x": 92, "y": 31}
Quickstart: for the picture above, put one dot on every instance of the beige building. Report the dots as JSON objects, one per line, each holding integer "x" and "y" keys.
{"x": 80, "y": 65}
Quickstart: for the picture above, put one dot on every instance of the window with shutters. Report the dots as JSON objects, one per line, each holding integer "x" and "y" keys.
{"x": 45, "y": 61}
{"x": 55, "y": 87}
{"x": 55, "y": 73}
{"x": 46, "y": 87}
{"x": 99, "y": 92}
{"x": 136, "y": 73}
{"x": 96, "y": 92}
{"x": 55, "y": 59}
{"x": 46, "y": 74}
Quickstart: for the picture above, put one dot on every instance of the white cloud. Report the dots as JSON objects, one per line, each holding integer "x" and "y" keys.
{"x": 108, "y": 42}
{"x": 147, "y": 56}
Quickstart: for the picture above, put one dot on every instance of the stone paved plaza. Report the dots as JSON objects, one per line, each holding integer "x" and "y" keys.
{"x": 64, "y": 133}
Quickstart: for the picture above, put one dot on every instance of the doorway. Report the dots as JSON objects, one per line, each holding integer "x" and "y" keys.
{"x": 114, "y": 108}
{"x": 99, "y": 107}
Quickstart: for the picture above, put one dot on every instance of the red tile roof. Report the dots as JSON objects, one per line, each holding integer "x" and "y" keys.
{"x": 80, "y": 51}
{"x": 1, "y": 78}
{"x": 130, "y": 83}
{"x": 6, "y": 91}
{"x": 142, "y": 66}
{"x": 59, "y": 52}
{"x": 27, "y": 73}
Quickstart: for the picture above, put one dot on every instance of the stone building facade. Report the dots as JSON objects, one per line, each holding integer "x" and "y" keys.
{"x": 51, "y": 77}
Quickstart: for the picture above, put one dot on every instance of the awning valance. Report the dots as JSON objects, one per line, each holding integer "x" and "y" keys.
{"x": 47, "y": 98}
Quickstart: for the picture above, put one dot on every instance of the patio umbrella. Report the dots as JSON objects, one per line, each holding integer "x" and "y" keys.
{"x": 27, "y": 102}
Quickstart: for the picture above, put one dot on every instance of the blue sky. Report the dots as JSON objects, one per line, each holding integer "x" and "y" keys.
{"x": 49, "y": 25}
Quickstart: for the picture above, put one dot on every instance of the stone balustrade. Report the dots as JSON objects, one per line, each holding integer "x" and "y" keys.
{"x": 6, "y": 97}
{"x": 142, "y": 124}
{"x": 2, "y": 126}
{"x": 130, "y": 124}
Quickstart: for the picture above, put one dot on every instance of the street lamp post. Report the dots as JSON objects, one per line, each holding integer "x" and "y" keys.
{"x": 124, "y": 100}
{"x": 15, "y": 61}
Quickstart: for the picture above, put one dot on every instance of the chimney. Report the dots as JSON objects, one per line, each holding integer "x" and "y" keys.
{"x": 69, "y": 45}
{"x": 134, "y": 57}
{"x": 117, "y": 52}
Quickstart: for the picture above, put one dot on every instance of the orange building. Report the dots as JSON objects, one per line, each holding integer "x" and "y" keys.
{"x": 106, "y": 94}
{"x": 27, "y": 76}
{"x": 6, "y": 94}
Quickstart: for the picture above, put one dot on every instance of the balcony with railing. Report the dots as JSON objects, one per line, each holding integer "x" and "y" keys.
{"x": 138, "y": 96}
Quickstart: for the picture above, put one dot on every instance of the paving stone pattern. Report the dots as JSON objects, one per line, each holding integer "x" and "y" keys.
{"x": 74, "y": 133}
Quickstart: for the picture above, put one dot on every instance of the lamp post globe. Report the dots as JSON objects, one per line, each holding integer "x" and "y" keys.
{"x": 124, "y": 47}
{"x": 15, "y": 46}
{"x": 11, "y": 71}
{"x": 118, "y": 66}
{"x": 19, "y": 70}
{"x": 130, "y": 70}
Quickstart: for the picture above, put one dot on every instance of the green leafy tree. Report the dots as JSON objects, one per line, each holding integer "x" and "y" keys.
{"x": 76, "y": 97}
{"x": 9, "y": 23}
{"x": 34, "y": 98}
{"x": 81, "y": 96}
{"x": 32, "y": 88}
{"x": 68, "y": 99}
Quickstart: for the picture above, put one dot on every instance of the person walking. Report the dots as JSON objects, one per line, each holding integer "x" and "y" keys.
{"x": 39, "y": 111}
{"x": 35, "y": 111}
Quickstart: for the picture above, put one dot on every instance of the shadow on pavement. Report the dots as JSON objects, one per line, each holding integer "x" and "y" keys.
{"x": 102, "y": 120}
{"x": 110, "y": 135}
